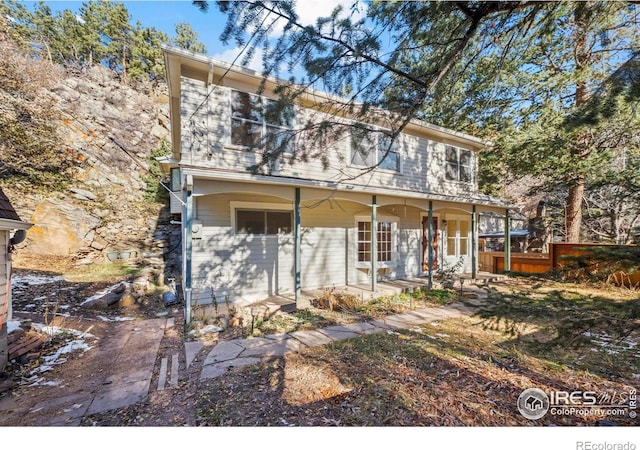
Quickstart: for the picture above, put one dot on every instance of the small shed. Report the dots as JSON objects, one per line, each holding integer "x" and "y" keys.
{"x": 12, "y": 232}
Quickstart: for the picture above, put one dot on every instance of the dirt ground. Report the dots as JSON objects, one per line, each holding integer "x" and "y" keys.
{"x": 42, "y": 296}
{"x": 449, "y": 374}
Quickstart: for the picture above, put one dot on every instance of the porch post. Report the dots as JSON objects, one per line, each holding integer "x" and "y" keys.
{"x": 297, "y": 251}
{"x": 374, "y": 244}
{"x": 430, "y": 245}
{"x": 188, "y": 245}
{"x": 507, "y": 242}
{"x": 474, "y": 250}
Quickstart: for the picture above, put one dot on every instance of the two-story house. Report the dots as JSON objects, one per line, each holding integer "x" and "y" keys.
{"x": 314, "y": 223}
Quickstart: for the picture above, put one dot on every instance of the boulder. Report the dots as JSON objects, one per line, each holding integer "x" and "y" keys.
{"x": 107, "y": 297}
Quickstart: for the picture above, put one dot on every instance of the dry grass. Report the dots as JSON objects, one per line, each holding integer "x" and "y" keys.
{"x": 450, "y": 373}
{"x": 446, "y": 374}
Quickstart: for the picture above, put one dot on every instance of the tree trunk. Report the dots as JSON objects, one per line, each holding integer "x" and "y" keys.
{"x": 573, "y": 213}
{"x": 124, "y": 63}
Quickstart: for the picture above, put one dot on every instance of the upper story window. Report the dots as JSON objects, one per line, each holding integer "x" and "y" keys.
{"x": 458, "y": 164}
{"x": 256, "y": 121}
{"x": 368, "y": 148}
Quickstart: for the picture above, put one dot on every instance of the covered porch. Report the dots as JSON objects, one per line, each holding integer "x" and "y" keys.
{"x": 329, "y": 242}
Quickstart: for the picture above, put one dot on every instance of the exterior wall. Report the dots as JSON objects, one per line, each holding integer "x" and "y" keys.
{"x": 4, "y": 239}
{"x": 206, "y": 124}
{"x": 4, "y": 273}
{"x": 248, "y": 267}
{"x": 243, "y": 267}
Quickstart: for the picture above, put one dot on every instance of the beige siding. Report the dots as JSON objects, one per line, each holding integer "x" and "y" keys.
{"x": 4, "y": 237}
{"x": 245, "y": 267}
{"x": 328, "y": 233}
{"x": 248, "y": 267}
{"x": 206, "y": 122}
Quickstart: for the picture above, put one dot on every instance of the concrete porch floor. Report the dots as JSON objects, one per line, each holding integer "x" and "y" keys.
{"x": 287, "y": 303}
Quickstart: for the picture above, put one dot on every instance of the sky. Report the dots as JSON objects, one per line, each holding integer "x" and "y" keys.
{"x": 165, "y": 14}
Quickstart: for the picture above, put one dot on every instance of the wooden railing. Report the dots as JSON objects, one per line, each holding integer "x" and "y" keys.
{"x": 532, "y": 263}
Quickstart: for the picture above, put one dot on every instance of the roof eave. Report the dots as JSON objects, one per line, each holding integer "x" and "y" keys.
{"x": 10, "y": 224}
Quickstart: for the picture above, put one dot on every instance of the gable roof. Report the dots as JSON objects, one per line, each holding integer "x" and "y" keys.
{"x": 9, "y": 218}
{"x": 6, "y": 210}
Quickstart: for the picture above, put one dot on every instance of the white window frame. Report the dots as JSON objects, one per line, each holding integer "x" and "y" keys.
{"x": 393, "y": 220}
{"x": 458, "y": 237}
{"x": 258, "y": 206}
{"x": 263, "y": 124}
{"x": 374, "y": 157}
{"x": 471, "y": 165}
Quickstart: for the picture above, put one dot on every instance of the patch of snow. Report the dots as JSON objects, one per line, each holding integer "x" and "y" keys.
{"x": 64, "y": 306}
{"x": 40, "y": 298}
{"x": 211, "y": 329}
{"x": 442, "y": 335}
{"x": 76, "y": 406}
{"x": 55, "y": 359}
{"x": 608, "y": 344}
{"x": 12, "y": 325}
{"x": 30, "y": 305}
{"x": 114, "y": 319}
{"x": 22, "y": 281}
{"x": 53, "y": 330}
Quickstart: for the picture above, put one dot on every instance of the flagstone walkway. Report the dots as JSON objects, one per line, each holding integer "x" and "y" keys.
{"x": 242, "y": 352}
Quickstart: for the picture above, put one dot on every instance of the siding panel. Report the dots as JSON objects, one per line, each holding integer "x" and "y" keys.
{"x": 206, "y": 122}
{"x": 4, "y": 239}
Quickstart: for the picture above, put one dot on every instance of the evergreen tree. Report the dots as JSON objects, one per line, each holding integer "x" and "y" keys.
{"x": 508, "y": 71}
{"x": 147, "y": 61}
{"x": 186, "y": 38}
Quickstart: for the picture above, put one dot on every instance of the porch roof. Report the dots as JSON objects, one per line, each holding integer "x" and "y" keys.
{"x": 208, "y": 175}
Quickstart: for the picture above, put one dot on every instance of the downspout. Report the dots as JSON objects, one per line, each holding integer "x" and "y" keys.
{"x": 430, "y": 245}
{"x": 297, "y": 248}
{"x": 188, "y": 244}
{"x": 374, "y": 245}
{"x": 474, "y": 249}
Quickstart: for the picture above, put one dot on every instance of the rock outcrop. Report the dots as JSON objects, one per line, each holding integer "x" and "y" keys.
{"x": 111, "y": 130}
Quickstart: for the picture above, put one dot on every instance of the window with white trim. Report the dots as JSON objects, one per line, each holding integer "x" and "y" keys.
{"x": 370, "y": 147}
{"x": 385, "y": 236}
{"x": 458, "y": 164}
{"x": 256, "y": 122}
{"x": 458, "y": 237}
{"x": 263, "y": 221}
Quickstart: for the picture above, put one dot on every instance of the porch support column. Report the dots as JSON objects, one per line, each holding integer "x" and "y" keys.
{"x": 430, "y": 245}
{"x": 187, "y": 219}
{"x": 374, "y": 244}
{"x": 297, "y": 248}
{"x": 474, "y": 249}
{"x": 507, "y": 242}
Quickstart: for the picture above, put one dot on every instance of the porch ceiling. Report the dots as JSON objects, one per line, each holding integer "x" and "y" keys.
{"x": 207, "y": 182}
